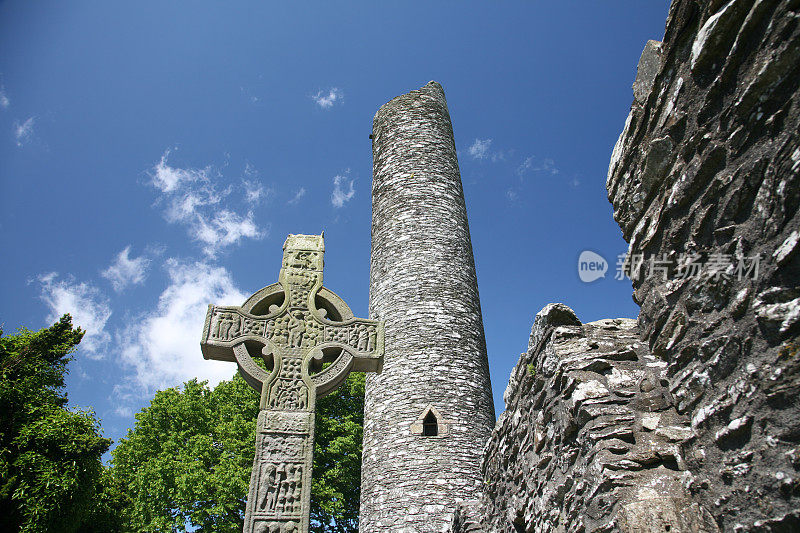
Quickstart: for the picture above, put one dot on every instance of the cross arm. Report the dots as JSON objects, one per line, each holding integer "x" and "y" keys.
{"x": 362, "y": 338}
{"x": 226, "y": 327}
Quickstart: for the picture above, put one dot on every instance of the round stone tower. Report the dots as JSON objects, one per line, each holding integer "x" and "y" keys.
{"x": 429, "y": 412}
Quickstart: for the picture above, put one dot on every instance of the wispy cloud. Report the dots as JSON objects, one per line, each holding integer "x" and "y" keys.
{"x": 161, "y": 346}
{"x": 194, "y": 200}
{"x": 510, "y": 163}
{"x": 501, "y": 155}
{"x": 297, "y": 196}
{"x": 480, "y": 148}
{"x": 125, "y": 270}
{"x": 326, "y": 101}
{"x": 250, "y": 96}
{"x": 532, "y": 164}
{"x": 225, "y": 228}
{"x": 340, "y": 196}
{"x": 23, "y": 133}
{"x": 123, "y": 411}
{"x": 4, "y": 101}
{"x": 87, "y": 305}
{"x": 254, "y": 190}
{"x": 168, "y": 179}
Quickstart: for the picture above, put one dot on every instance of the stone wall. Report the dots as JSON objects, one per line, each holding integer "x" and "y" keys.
{"x": 590, "y": 439}
{"x": 423, "y": 286}
{"x": 709, "y": 164}
{"x": 698, "y": 401}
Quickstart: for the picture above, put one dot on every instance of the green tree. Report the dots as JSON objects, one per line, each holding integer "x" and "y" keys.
{"x": 108, "y": 512}
{"x": 187, "y": 460}
{"x": 336, "y": 483}
{"x": 50, "y": 469}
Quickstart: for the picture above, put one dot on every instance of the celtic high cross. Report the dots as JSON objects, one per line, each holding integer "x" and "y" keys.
{"x": 309, "y": 341}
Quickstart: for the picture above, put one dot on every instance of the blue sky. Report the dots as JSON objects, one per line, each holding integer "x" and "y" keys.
{"x": 154, "y": 156}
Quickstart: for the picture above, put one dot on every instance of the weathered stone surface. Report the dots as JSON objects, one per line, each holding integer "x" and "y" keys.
{"x": 423, "y": 286}
{"x": 709, "y": 163}
{"x": 649, "y": 65}
{"x": 590, "y": 439}
{"x": 465, "y": 519}
{"x": 295, "y": 326}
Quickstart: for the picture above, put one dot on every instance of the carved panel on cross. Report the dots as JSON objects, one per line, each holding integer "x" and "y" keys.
{"x": 302, "y": 260}
{"x": 281, "y": 490}
{"x": 276, "y": 527}
{"x": 283, "y": 455}
{"x": 296, "y": 329}
{"x": 288, "y": 392}
{"x": 361, "y": 337}
{"x": 228, "y": 325}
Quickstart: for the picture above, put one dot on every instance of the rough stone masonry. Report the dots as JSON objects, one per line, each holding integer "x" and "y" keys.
{"x": 429, "y": 412}
{"x": 590, "y": 439}
{"x": 702, "y": 396}
{"x": 708, "y": 165}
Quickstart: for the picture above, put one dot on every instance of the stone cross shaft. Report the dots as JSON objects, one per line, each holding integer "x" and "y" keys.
{"x": 309, "y": 341}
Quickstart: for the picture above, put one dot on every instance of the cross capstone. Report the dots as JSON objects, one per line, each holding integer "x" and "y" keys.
{"x": 309, "y": 341}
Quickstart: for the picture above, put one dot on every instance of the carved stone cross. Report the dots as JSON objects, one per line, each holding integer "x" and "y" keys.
{"x": 309, "y": 341}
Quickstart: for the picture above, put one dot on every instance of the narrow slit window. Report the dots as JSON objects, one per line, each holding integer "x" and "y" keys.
{"x": 430, "y": 426}
{"x": 430, "y": 423}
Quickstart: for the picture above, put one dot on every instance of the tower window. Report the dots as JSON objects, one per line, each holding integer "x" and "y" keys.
{"x": 430, "y": 423}
{"x": 430, "y": 426}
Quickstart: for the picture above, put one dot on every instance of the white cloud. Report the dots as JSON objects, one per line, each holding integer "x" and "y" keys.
{"x": 223, "y": 229}
{"x": 501, "y": 155}
{"x": 127, "y": 395}
{"x": 297, "y": 196}
{"x": 185, "y": 206}
{"x": 168, "y": 179}
{"x": 512, "y": 195}
{"x": 193, "y": 200}
{"x": 24, "y": 132}
{"x": 155, "y": 249}
{"x": 87, "y": 305}
{"x": 254, "y": 191}
{"x": 548, "y": 165}
{"x": 480, "y": 148}
{"x": 531, "y": 164}
{"x": 4, "y": 101}
{"x": 326, "y": 101}
{"x": 339, "y": 197}
{"x": 162, "y": 346}
{"x": 126, "y": 271}
{"x": 123, "y": 411}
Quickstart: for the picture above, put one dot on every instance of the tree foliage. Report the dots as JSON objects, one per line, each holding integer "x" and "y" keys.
{"x": 50, "y": 469}
{"x": 336, "y": 484}
{"x": 187, "y": 461}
